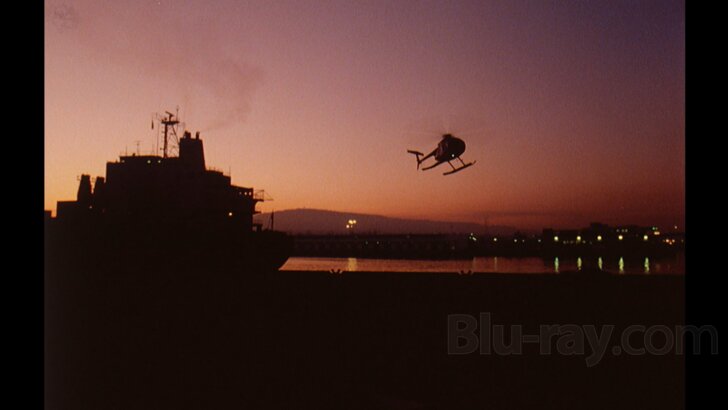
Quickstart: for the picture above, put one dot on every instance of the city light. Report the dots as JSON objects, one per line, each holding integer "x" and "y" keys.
{"x": 556, "y": 238}
{"x": 351, "y": 223}
{"x": 620, "y": 237}
{"x": 599, "y": 237}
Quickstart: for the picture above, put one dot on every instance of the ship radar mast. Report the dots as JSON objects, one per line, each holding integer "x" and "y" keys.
{"x": 170, "y": 127}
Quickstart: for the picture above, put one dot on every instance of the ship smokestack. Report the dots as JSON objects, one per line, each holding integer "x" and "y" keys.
{"x": 99, "y": 196}
{"x": 191, "y": 152}
{"x": 83, "y": 197}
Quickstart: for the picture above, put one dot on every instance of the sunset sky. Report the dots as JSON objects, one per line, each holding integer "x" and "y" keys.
{"x": 573, "y": 110}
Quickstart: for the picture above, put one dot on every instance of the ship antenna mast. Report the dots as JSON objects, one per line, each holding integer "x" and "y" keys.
{"x": 170, "y": 121}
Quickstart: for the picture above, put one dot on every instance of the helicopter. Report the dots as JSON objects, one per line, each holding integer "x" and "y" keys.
{"x": 448, "y": 149}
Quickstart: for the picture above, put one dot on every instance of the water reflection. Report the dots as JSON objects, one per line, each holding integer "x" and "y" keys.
{"x": 617, "y": 265}
{"x": 352, "y": 265}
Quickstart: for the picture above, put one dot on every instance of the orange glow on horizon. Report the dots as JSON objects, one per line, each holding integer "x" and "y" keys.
{"x": 318, "y": 104}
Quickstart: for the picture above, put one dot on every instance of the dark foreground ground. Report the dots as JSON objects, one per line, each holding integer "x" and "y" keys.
{"x": 205, "y": 340}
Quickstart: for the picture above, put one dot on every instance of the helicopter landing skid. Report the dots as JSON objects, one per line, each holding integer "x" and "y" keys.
{"x": 454, "y": 170}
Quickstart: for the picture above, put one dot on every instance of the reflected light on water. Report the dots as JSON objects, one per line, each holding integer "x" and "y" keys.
{"x": 351, "y": 265}
{"x": 488, "y": 265}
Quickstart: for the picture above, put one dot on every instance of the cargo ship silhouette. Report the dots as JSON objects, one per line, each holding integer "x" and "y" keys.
{"x": 159, "y": 212}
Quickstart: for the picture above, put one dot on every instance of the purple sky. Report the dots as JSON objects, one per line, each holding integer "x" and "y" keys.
{"x": 574, "y": 110}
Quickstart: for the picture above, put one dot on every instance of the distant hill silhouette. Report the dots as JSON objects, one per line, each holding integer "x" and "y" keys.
{"x": 315, "y": 221}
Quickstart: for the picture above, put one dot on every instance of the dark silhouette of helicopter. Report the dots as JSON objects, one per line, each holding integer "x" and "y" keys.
{"x": 448, "y": 149}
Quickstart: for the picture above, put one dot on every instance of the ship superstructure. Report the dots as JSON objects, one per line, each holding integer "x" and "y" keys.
{"x": 172, "y": 201}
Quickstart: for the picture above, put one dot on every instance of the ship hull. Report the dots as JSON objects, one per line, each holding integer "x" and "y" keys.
{"x": 149, "y": 247}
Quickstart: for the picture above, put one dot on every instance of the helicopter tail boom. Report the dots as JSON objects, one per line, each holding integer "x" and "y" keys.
{"x": 418, "y": 155}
